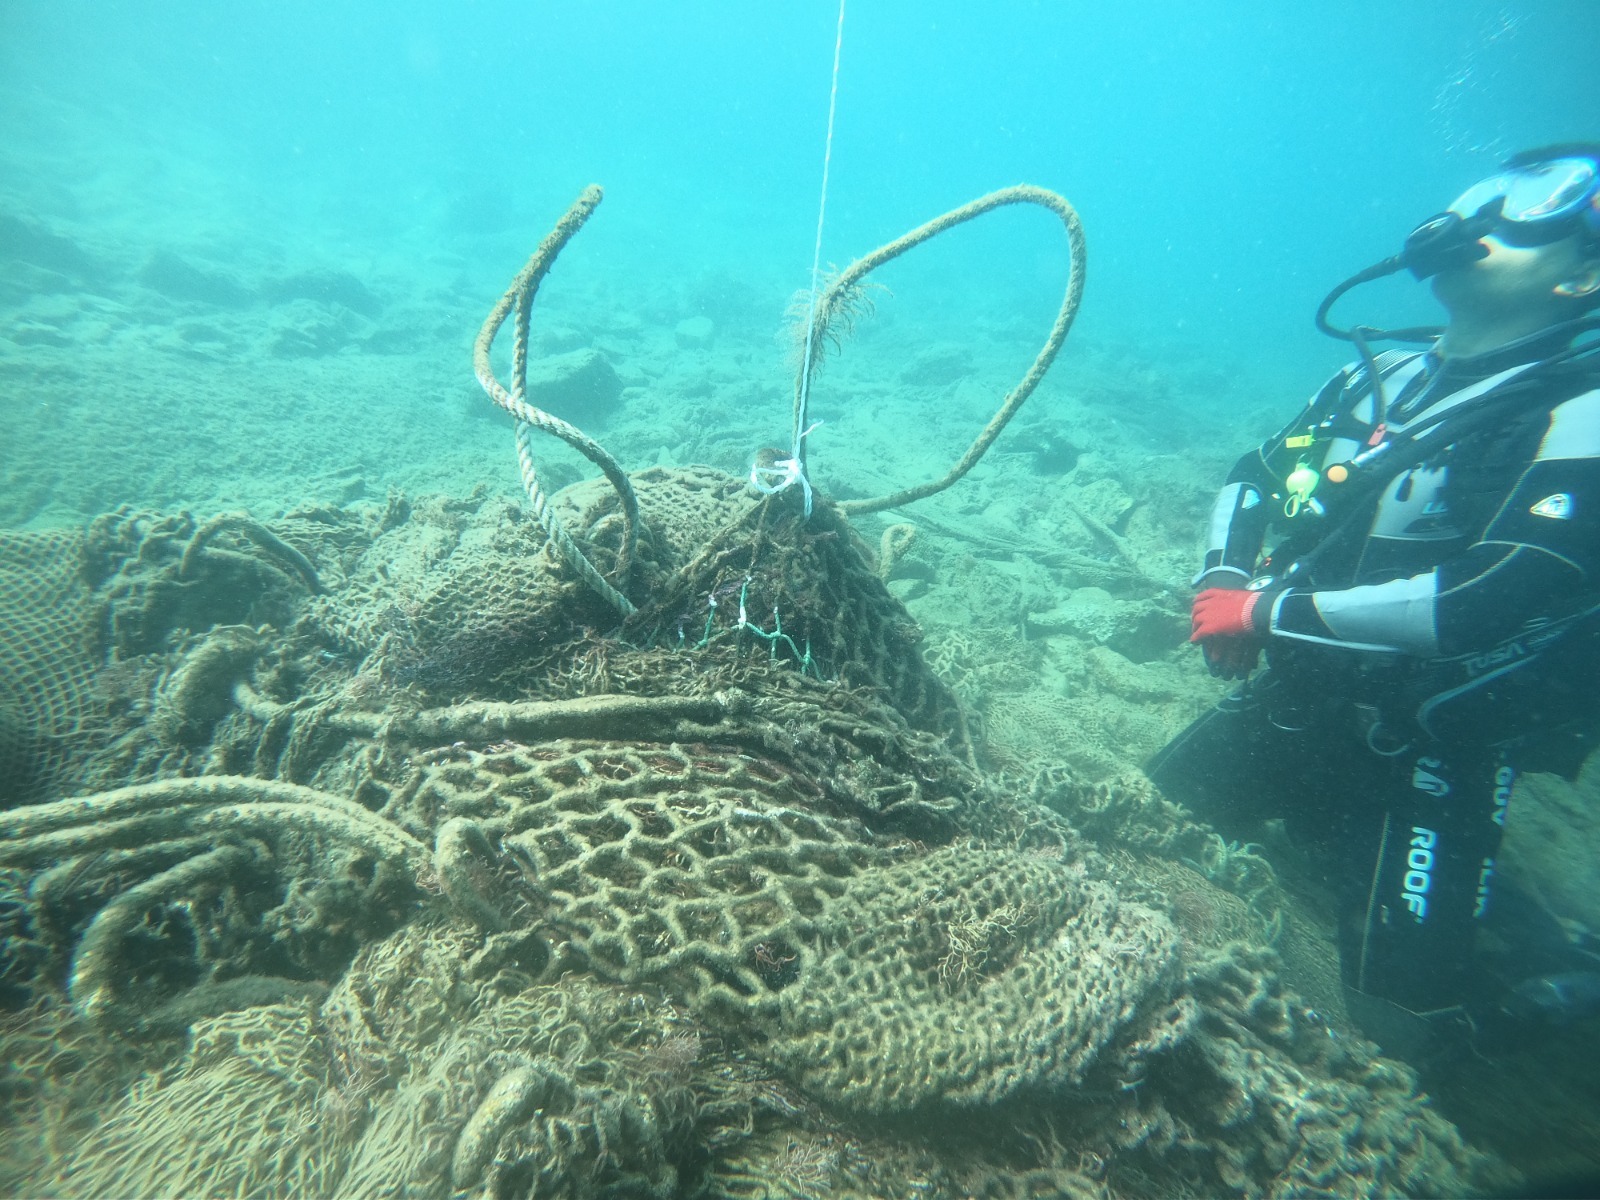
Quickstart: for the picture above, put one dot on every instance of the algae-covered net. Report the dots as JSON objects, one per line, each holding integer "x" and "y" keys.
{"x": 425, "y": 849}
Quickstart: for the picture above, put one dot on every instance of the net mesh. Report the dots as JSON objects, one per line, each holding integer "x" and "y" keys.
{"x": 47, "y": 693}
{"x": 404, "y": 864}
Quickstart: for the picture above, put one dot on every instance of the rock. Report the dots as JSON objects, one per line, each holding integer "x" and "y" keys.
{"x": 1105, "y": 501}
{"x": 25, "y": 241}
{"x": 325, "y": 287}
{"x": 178, "y": 279}
{"x": 1140, "y": 683}
{"x": 694, "y": 333}
{"x": 1136, "y": 629}
{"x": 1053, "y": 455}
{"x": 304, "y": 329}
{"x": 37, "y": 333}
{"x": 581, "y": 386}
{"x": 632, "y": 375}
{"x": 938, "y": 365}
{"x": 558, "y": 339}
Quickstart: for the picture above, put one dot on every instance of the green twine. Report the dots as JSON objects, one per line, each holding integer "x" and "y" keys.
{"x": 774, "y": 638}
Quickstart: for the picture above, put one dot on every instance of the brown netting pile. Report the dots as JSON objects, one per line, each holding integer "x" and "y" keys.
{"x": 546, "y": 907}
{"x": 394, "y": 859}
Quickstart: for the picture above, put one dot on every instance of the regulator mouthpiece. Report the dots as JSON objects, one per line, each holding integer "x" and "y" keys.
{"x": 1450, "y": 240}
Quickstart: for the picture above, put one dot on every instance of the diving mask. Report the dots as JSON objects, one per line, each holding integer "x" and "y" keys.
{"x": 1530, "y": 205}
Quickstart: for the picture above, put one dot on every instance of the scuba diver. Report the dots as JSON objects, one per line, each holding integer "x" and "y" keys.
{"x": 1429, "y": 614}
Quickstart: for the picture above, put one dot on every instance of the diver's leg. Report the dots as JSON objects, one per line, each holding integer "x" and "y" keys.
{"x": 1237, "y": 764}
{"x": 1410, "y": 918}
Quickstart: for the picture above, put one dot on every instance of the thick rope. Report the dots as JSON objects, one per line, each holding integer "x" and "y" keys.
{"x": 97, "y": 962}
{"x": 831, "y": 302}
{"x": 519, "y": 296}
{"x": 205, "y": 805}
{"x": 257, "y": 533}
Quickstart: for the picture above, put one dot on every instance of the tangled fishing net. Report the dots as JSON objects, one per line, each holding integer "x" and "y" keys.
{"x": 425, "y": 849}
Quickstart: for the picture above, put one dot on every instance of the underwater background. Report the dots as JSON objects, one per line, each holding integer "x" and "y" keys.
{"x": 246, "y": 246}
{"x": 244, "y": 251}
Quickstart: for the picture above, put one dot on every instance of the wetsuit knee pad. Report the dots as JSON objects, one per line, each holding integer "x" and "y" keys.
{"x": 1410, "y": 919}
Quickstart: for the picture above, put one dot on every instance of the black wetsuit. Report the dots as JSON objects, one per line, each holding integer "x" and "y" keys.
{"x": 1437, "y": 633}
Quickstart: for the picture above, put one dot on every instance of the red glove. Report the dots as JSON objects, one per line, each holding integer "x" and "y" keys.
{"x": 1231, "y": 657}
{"x": 1224, "y": 612}
{"x": 1223, "y": 622}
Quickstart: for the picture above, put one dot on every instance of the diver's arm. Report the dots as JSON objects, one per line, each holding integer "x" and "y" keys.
{"x": 1539, "y": 557}
{"x": 1238, "y": 527}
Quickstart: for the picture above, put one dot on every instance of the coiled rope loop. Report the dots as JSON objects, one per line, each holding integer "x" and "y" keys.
{"x": 830, "y": 303}
{"x": 519, "y": 297}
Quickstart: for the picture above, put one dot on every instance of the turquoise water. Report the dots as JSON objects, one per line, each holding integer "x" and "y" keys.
{"x": 165, "y": 168}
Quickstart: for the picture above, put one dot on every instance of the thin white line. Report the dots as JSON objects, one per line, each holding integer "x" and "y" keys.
{"x": 816, "y": 255}
{"x": 1372, "y": 896}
